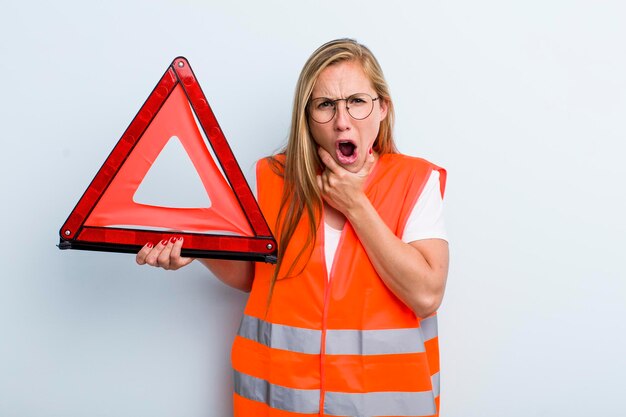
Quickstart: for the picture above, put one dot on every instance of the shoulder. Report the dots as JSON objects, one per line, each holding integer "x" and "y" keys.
{"x": 274, "y": 164}
{"x": 407, "y": 162}
{"x": 414, "y": 169}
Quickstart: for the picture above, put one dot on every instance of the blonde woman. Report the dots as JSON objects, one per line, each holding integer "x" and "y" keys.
{"x": 344, "y": 324}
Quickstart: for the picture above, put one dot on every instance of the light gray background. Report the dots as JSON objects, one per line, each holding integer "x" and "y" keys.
{"x": 523, "y": 102}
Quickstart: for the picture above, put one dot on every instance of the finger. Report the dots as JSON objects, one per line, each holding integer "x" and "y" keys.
{"x": 164, "y": 256}
{"x": 327, "y": 178}
{"x": 143, "y": 253}
{"x": 153, "y": 257}
{"x": 177, "y": 261}
{"x": 328, "y": 160}
{"x": 320, "y": 185}
{"x": 176, "y": 248}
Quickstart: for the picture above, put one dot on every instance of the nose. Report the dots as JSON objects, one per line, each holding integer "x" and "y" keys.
{"x": 342, "y": 119}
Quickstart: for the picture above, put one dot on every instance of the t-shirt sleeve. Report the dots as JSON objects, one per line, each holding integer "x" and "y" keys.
{"x": 426, "y": 219}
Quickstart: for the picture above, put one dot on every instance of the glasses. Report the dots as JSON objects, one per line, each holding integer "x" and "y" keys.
{"x": 359, "y": 107}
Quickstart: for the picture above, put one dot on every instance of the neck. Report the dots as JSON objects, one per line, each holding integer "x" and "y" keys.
{"x": 333, "y": 217}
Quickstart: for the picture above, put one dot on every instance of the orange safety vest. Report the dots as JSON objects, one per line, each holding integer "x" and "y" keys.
{"x": 343, "y": 346}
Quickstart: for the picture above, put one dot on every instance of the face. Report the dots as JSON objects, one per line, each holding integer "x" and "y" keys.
{"x": 348, "y": 140}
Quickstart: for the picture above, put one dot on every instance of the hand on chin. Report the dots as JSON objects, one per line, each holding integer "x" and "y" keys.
{"x": 341, "y": 187}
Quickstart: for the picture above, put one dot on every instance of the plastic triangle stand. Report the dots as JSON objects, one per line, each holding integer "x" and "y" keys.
{"x": 107, "y": 217}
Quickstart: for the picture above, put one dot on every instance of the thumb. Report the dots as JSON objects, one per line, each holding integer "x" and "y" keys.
{"x": 176, "y": 260}
{"x": 319, "y": 183}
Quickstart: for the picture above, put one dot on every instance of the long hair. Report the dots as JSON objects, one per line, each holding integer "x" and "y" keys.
{"x": 301, "y": 196}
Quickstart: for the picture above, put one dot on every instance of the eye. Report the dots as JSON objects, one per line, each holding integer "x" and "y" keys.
{"x": 324, "y": 104}
{"x": 358, "y": 100}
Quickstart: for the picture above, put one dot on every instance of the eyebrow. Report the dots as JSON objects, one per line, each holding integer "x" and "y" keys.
{"x": 340, "y": 98}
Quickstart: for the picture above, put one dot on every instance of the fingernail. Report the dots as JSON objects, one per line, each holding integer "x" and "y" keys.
{"x": 173, "y": 239}
{"x": 149, "y": 244}
{"x": 180, "y": 238}
{"x": 164, "y": 242}
{"x": 371, "y": 151}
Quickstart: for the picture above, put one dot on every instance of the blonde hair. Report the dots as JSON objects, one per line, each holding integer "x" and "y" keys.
{"x": 301, "y": 195}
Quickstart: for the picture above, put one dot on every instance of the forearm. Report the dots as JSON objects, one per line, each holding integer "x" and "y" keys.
{"x": 414, "y": 273}
{"x": 237, "y": 274}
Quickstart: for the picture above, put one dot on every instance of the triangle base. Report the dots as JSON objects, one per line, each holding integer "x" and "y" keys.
{"x": 190, "y": 253}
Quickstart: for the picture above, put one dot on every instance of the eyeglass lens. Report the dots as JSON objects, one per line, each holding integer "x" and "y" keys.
{"x": 359, "y": 106}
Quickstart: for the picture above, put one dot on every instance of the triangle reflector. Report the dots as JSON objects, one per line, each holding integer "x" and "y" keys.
{"x": 222, "y": 221}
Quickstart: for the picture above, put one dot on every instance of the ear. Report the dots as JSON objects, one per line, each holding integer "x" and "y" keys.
{"x": 384, "y": 106}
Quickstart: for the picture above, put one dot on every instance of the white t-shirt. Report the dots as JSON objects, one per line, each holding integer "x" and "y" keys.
{"x": 425, "y": 221}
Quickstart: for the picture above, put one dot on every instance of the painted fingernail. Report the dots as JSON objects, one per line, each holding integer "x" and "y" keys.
{"x": 164, "y": 242}
{"x": 149, "y": 244}
{"x": 371, "y": 151}
{"x": 173, "y": 239}
{"x": 180, "y": 238}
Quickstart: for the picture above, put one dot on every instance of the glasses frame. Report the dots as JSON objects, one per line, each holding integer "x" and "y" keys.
{"x": 335, "y": 107}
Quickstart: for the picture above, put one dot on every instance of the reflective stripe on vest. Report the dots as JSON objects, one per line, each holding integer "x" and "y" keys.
{"x": 380, "y": 404}
{"x": 279, "y": 336}
{"x": 339, "y": 342}
{"x": 435, "y": 381}
{"x": 336, "y": 403}
{"x": 305, "y": 401}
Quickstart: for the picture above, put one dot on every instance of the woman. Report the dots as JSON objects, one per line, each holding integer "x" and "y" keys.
{"x": 344, "y": 323}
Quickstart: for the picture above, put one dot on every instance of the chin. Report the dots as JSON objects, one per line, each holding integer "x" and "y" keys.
{"x": 354, "y": 167}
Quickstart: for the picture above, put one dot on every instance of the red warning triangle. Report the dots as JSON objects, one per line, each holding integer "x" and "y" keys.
{"x": 228, "y": 223}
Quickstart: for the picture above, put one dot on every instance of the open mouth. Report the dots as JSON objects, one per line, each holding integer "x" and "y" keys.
{"x": 346, "y": 152}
